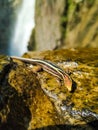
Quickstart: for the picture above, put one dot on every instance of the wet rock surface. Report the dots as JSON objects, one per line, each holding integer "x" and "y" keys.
{"x": 34, "y": 99}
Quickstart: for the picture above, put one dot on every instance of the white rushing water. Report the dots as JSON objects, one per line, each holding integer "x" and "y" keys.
{"x": 23, "y": 28}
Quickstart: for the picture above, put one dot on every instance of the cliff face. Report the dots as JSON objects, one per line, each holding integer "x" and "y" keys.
{"x": 65, "y": 23}
{"x": 47, "y": 18}
{"x": 82, "y": 24}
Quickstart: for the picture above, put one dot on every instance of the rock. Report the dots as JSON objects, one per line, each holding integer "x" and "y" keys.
{"x": 4, "y": 66}
{"x": 65, "y": 24}
{"x": 38, "y": 100}
{"x": 47, "y": 32}
{"x": 78, "y": 32}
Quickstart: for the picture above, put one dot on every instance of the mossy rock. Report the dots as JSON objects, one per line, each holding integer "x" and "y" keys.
{"x": 38, "y": 100}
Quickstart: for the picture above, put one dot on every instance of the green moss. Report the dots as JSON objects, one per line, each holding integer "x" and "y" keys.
{"x": 71, "y": 5}
{"x": 42, "y": 97}
{"x": 83, "y": 65}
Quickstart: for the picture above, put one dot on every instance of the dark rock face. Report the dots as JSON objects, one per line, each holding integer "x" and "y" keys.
{"x": 11, "y": 114}
{"x": 5, "y": 25}
{"x": 32, "y": 99}
{"x": 4, "y": 66}
{"x": 7, "y": 20}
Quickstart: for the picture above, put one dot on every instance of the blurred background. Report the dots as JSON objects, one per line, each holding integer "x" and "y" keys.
{"x": 16, "y": 24}
{"x": 47, "y": 25}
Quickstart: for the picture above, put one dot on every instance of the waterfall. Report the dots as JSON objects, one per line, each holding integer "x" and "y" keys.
{"x": 23, "y": 28}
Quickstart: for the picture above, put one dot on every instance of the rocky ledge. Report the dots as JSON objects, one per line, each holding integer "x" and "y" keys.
{"x": 31, "y": 98}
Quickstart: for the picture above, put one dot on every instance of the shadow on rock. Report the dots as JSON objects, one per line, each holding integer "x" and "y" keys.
{"x": 14, "y": 114}
{"x": 90, "y": 126}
